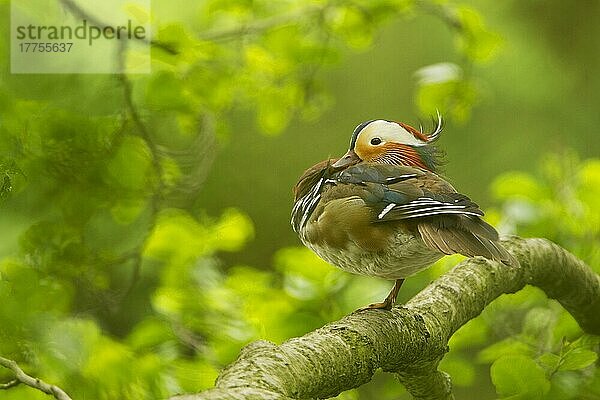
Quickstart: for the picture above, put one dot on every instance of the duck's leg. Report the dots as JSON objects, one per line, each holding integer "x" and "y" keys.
{"x": 389, "y": 301}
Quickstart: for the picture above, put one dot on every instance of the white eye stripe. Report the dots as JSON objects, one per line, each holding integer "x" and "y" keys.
{"x": 389, "y": 132}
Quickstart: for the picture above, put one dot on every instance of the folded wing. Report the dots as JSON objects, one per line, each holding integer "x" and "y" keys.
{"x": 447, "y": 221}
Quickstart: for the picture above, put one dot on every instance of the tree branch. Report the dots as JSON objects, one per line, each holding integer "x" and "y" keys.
{"x": 411, "y": 339}
{"x": 262, "y": 25}
{"x": 79, "y": 12}
{"x": 10, "y": 384}
{"x": 22, "y": 377}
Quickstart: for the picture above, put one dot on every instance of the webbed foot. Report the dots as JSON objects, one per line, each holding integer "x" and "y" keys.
{"x": 389, "y": 301}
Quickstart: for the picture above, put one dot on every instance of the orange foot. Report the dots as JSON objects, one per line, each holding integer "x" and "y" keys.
{"x": 389, "y": 301}
{"x": 385, "y": 305}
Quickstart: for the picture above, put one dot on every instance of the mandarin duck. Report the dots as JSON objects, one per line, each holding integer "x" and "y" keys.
{"x": 382, "y": 210}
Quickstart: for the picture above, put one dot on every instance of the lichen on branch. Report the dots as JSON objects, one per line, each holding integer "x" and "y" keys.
{"x": 411, "y": 339}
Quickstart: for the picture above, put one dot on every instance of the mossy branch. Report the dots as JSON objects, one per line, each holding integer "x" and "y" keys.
{"x": 411, "y": 339}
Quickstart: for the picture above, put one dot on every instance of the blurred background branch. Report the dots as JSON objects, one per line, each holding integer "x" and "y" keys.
{"x": 259, "y": 26}
{"x": 10, "y": 384}
{"x": 22, "y": 377}
{"x": 74, "y": 8}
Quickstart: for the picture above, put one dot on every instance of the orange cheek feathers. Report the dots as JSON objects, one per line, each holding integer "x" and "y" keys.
{"x": 395, "y": 154}
{"x": 369, "y": 153}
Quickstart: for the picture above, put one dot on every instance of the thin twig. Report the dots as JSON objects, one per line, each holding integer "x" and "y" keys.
{"x": 263, "y": 24}
{"x": 10, "y": 384}
{"x": 443, "y": 12}
{"x": 79, "y": 12}
{"x": 189, "y": 338}
{"x": 142, "y": 129}
{"x": 30, "y": 381}
{"x": 155, "y": 198}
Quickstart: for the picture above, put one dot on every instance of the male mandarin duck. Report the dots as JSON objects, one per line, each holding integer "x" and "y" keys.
{"x": 381, "y": 209}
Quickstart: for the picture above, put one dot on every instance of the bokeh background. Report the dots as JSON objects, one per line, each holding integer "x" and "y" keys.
{"x": 144, "y": 223}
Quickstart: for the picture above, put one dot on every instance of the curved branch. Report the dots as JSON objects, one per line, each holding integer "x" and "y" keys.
{"x": 260, "y": 26}
{"x": 79, "y": 12}
{"x": 409, "y": 340}
{"x": 22, "y": 377}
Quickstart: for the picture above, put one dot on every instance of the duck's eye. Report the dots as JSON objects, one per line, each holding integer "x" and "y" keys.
{"x": 375, "y": 141}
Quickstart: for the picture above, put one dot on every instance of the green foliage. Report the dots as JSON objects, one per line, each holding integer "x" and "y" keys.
{"x": 115, "y": 283}
{"x": 566, "y": 190}
{"x": 446, "y": 87}
{"x": 443, "y": 88}
{"x": 519, "y": 377}
{"x": 534, "y": 347}
{"x": 478, "y": 43}
{"x": 8, "y": 172}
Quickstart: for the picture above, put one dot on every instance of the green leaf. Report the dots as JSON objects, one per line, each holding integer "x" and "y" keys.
{"x": 72, "y": 340}
{"x": 232, "y": 231}
{"x": 306, "y": 276}
{"x": 460, "y": 369}
{"x": 176, "y": 235}
{"x": 127, "y": 210}
{"x": 589, "y": 192}
{"x": 476, "y": 41}
{"x": 508, "y": 346}
{"x": 549, "y": 361}
{"x": 566, "y": 327}
{"x": 131, "y": 166}
{"x": 518, "y": 184}
{"x": 473, "y": 333}
{"x": 176, "y": 37}
{"x": 261, "y": 61}
{"x": 566, "y": 385}
{"x": 577, "y": 358}
{"x": 538, "y": 324}
{"x": 348, "y": 395}
{"x": 195, "y": 375}
{"x": 519, "y": 377}
{"x": 352, "y": 25}
{"x": 166, "y": 92}
{"x": 148, "y": 333}
{"x": 274, "y": 109}
{"x": 452, "y": 96}
{"x": 585, "y": 341}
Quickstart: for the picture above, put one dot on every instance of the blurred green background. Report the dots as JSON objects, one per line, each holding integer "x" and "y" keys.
{"x": 144, "y": 223}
